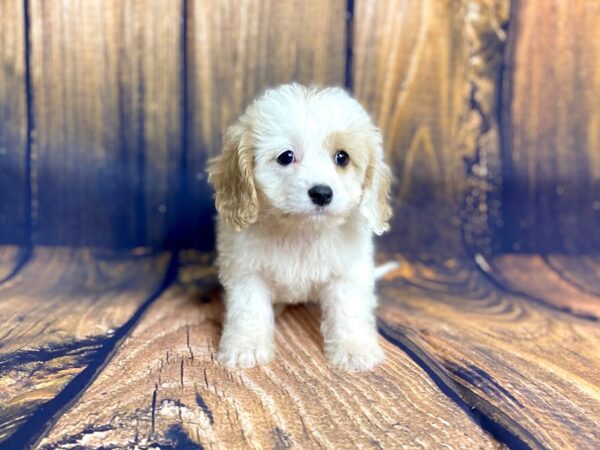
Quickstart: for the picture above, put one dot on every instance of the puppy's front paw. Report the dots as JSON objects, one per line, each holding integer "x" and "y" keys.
{"x": 355, "y": 356}
{"x": 246, "y": 354}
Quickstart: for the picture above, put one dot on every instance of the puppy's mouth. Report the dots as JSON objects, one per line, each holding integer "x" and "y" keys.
{"x": 316, "y": 213}
{"x": 318, "y": 216}
{"x": 324, "y": 214}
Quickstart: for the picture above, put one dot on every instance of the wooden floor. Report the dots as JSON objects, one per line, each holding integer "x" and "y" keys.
{"x": 105, "y": 350}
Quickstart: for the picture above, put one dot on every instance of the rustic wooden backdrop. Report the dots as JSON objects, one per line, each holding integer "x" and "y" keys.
{"x": 108, "y": 112}
{"x": 490, "y": 108}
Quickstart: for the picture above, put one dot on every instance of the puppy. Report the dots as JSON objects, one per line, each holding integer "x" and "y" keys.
{"x": 301, "y": 186}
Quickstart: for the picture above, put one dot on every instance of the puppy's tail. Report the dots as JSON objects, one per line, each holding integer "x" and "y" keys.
{"x": 385, "y": 268}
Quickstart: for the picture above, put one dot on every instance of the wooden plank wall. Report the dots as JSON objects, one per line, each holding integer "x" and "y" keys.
{"x": 106, "y": 102}
{"x": 14, "y": 225}
{"x": 552, "y": 127}
{"x": 427, "y": 71}
{"x": 129, "y": 99}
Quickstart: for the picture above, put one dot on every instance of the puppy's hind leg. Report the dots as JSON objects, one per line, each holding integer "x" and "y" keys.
{"x": 247, "y": 338}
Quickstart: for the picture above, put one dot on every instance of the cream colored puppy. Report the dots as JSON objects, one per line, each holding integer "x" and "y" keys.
{"x": 301, "y": 186}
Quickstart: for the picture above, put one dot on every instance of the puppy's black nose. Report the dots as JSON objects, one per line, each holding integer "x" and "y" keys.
{"x": 320, "y": 194}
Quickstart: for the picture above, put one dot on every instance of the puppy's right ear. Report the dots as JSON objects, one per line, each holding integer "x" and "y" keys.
{"x": 232, "y": 175}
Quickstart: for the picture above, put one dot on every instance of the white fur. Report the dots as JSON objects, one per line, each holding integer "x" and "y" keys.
{"x": 294, "y": 251}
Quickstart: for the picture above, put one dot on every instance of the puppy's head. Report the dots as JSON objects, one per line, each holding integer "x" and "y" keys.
{"x": 303, "y": 154}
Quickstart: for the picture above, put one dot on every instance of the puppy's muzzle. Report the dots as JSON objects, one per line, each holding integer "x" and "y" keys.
{"x": 320, "y": 194}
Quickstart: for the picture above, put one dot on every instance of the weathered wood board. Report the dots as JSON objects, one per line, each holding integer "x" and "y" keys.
{"x": 164, "y": 388}
{"x": 11, "y": 258}
{"x": 14, "y": 227}
{"x": 551, "y": 128}
{"x": 106, "y": 99}
{"x": 581, "y": 271}
{"x": 234, "y": 52}
{"x": 532, "y": 368}
{"x": 127, "y": 100}
{"x": 564, "y": 282}
{"x": 428, "y": 72}
{"x": 56, "y": 313}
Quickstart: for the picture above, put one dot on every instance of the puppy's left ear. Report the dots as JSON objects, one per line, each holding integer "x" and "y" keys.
{"x": 375, "y": 204}
{"x": 231, "y": 174}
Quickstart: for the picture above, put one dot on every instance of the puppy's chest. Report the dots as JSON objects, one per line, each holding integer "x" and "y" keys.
{"x": 298, "y": 269}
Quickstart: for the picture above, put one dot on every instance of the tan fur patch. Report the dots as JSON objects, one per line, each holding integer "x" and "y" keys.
{"x": 376, "y": 197}
{"x": 356, "y": 143}
{"x": 231, "y": 174}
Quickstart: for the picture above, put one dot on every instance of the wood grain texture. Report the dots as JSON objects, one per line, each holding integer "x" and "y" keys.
{"x": 164, "y": 389}
{"x": 534, "y": 369}
{"x": 56, "y": 312}
{"x": 10, "y": 257}
{"x": 551, "y": 128}
{"x": 107, "y": 106}
{"x": 235, "y": 51}
{"x": 13, "y": 124}
{"x": 583, "y": 272}
{"x": 428, "y": 72}
{"x": 558, "y": 280}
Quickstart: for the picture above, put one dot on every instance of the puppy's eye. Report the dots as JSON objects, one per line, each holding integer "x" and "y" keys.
{"x": 341, "y": 158}
{"x": 286, "y": 158}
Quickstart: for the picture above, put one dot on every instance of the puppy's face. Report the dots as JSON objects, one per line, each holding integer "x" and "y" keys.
{"x": 311, "y": 155}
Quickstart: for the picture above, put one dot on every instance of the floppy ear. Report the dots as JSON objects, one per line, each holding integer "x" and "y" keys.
{"x": 375, "y": 204}
{"x": 231, "y": 174}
